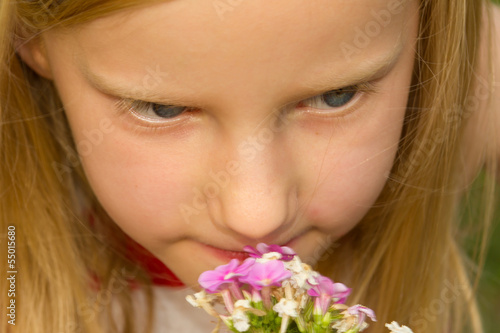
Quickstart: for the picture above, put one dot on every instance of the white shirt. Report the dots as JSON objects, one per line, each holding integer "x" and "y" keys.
{"x": 173, "y": 313}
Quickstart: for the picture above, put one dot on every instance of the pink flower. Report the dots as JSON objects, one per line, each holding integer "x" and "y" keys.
{"x": 325, "y": 286}
{"x": 287, "y": 253}
{"x": 266, "y": 274}
{"x": 213, "y": 281}
{"x": 361, "y": 312}
{"x": 325, "y": 291}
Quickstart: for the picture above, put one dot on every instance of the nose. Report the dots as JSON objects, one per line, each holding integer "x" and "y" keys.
{"x": 260, "y": 199}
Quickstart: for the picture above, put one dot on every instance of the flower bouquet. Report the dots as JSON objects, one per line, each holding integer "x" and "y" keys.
{"x": 273, "y": 291}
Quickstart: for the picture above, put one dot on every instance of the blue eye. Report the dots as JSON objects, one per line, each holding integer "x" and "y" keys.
{"x": 332, "y": 99}
{"x": 152, "y": 112}
{"x": 166, "y": 111}
{"x": 338, "y": 98}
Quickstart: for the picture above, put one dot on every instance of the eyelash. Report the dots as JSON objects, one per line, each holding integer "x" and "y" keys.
{"x": 360, "y": 90}
{"x": 136, "y": 108}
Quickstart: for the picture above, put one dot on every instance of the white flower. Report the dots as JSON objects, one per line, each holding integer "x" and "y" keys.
{"x": 204, "y": 301}
{"x": 342, "y": 326}
{"x": 395, "y": 328}
{"x": 286, "y": 307}
{"x": 242, "y": 304}
{"x": 269, "y": 256}
{"x": 294, "y": 265}
{"x": 302, "y": 273}
{"x": 306, "y": 278}
{"x": 348, "y": 321}
{"x": 200, "y": 299}
{"x": 192, "y": 301}
{"x": 363, "y": 327}
{"x": 299, "y": 280}
{"x": 240, "y": 320}
{"x": 302, "y": 297}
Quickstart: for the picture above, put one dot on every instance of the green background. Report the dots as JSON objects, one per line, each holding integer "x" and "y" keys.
{"x": 489, "y": 288}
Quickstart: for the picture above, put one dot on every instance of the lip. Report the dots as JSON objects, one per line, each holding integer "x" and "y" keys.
{"x": 227, "y": 255}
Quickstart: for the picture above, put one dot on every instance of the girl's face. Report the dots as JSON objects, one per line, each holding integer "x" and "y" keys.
{"x": 204, "y": 126}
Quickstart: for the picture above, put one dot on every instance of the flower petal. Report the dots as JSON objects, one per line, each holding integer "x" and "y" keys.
{"x": 262, "y": 248}
{"x": 358, "y": 309}
{"x": 245, "y": 267}
{"x": 229, "y": 267}
{"x": 252, "y": 251}
{"x": 266, "y": 274}
{"x": 213, "y": 280}
{"x": 395, "y": 328}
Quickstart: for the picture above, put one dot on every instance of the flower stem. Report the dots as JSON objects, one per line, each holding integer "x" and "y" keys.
{"x": 301, "y": 323}
{"x": 266, "y": 297}
{"x": 288, "y": 290}
{"x": 228, "y": 301}
{"x": 284, "y": 323}
{"x": 235, "y": 290}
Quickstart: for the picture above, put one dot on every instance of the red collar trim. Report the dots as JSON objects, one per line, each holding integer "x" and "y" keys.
{"x": 160, "y": 274}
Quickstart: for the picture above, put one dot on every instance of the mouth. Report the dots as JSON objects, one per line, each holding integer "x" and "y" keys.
{"x": 227, "y": 255}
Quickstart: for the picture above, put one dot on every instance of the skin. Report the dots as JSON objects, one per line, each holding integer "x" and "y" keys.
{"x": 290, "y": 173}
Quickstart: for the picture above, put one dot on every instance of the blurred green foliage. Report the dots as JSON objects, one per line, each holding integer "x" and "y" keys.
{"x": 488, "y": 293}
{"x": 489, "y": 288}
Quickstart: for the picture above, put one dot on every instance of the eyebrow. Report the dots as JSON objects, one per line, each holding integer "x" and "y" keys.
{"x": 370, "y": 70}
{"x": 126, "y": 92}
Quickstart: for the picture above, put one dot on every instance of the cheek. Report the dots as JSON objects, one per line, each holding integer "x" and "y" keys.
{"x": 348, "y": 189}
{"x": 140, "y": 180}
{"x": 141, "y": 183}
{"x": 135, "y": 186}
{"x": 350, "y": 168}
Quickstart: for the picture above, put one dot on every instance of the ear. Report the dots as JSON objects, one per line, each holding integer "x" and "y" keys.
{"x": 33, "y": 53}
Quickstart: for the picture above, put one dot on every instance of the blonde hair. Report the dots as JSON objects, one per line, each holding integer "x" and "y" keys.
{"x": 406, "y": 249}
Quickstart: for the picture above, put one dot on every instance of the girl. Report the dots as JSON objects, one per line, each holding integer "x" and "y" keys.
{"x": 185, "y": 130}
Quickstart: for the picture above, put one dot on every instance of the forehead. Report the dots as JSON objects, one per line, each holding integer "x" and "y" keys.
{"x": 198, "y": 43}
